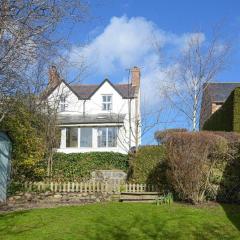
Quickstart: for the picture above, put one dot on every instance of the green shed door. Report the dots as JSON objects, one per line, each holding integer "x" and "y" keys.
{"x": 5, "y": 156}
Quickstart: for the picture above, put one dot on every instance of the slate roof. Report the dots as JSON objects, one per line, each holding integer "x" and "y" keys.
{"x": 219, "y": 92}
{"x": 85, "y": 91}
{"x": 90, "y": 118}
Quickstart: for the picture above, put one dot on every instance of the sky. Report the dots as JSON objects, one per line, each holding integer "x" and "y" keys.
{"x": 122, "y": 34}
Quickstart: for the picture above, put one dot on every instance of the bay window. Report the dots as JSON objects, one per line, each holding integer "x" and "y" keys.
{"x": 86, "y": 137}
{"x": 72, "y": 137}
{"x": 107, "y": 137}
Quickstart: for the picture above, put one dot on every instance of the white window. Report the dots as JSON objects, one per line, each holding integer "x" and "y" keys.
{"x": 86, "y": 137}
{"x": 72, "y": 137}
{"x": 107, "y": 137}
{"x": 62, "y": 104}
{"x": 106, "y": 102}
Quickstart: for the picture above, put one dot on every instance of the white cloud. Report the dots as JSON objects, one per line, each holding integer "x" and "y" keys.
{"x": 127, "y": 42}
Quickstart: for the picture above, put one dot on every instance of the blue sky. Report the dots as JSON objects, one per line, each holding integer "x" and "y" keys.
{"x": 121, "y": 34}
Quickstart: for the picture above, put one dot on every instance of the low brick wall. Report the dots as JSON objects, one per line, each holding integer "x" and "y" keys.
{"x": 51, "y": 197}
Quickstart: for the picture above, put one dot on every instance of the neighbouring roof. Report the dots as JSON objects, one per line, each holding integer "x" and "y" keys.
{"x": 219, "y": 92}
{"x": 90, "y": 118}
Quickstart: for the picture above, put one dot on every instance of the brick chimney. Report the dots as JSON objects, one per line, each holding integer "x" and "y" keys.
{"x": 135, "y": 72}
{"x": 54, "y": 77}
{"x": 135, "y": 81}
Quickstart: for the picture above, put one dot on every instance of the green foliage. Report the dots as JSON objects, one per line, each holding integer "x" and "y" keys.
{"x": 78, "y": 166}
{"x": 15, "y": 187}
{"x": 227, "y": 178}
{"x": 26, "y": 132}
{"x": 148, "y": 165}
{"x": 165, "y": 199}
{"x": 226, "y": 118}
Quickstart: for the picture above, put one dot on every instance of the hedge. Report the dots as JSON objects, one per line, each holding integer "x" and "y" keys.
{"x": 226, "y": 118}
{"x": 147, "y": 165}
{"x": 78, "y": 166}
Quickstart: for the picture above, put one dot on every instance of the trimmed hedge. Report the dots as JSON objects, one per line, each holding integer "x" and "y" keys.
{"x": 148, "y": 165}
{"x": 227, "y": 118}
{"x": 78, "y": 166}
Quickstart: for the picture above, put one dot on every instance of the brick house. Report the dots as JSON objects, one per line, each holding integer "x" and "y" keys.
{"x": 214, "y": 95}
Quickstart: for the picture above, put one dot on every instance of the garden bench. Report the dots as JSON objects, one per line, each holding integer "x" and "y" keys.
{"x": 139, "y": 196}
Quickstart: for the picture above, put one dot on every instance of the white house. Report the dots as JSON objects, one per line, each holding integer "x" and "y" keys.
{"x": 97, "y": 117}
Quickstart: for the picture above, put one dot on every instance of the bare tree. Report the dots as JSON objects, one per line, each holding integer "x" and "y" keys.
{"x": 198, "y": 64}
{"x": 27, "y": 36}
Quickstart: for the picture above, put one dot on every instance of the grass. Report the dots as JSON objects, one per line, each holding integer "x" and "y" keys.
{"x": 123, "y": 221}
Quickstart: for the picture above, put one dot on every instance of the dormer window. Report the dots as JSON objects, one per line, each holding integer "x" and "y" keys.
{"x": 62, "y": 104}
{"x": 106, "y": 102}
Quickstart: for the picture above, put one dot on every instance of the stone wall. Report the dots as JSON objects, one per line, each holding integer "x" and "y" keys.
{"x": 51, "y": 197}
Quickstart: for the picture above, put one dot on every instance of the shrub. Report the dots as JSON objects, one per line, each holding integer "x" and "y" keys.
{"x": 191, "y": 158}
{"x": 229, "y": 185}
{"x": 226, "y": 118}
{"x": 148, "y": 165}
{"x": 225, "y": 180}
{"x": 161, "y": 136}
{"x": 26, "y": 132}
{"x": 78, "y": 166}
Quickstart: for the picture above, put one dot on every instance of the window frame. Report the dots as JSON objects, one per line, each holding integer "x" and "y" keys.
{"x": 62, "y": 104}
{"x": 107, "y": 137}
{"x": 80, "y": 132}
{"x": 67, "y": 137}
{"x": 107, "y": 103}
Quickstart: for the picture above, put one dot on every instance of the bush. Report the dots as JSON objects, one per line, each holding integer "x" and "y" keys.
{"x": 148, "y": 165}
{"x": 78, "y": 166}
{"x": 26, "y": 132}
{"x": 225, "y": 180}
{"x": 191, "y": 158}
{"x": 226, "y": 118}
{"x": 229, "y": 185}
{"x": 161, "y": 136}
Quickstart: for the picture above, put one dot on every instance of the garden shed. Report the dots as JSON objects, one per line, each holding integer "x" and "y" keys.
{"x": 5, "y": 157}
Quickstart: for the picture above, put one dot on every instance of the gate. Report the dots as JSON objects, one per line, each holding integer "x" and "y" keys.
{"x": 5, "y": 157}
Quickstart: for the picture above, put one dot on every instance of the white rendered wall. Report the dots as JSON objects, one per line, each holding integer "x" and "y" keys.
{"x": 94, "y": 106}
{"x": 73, "y": 105}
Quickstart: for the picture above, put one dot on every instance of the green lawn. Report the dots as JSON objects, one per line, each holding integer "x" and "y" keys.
{"x": 123, "y": 221}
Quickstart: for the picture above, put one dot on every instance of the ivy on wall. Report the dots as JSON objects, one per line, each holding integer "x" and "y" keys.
{"x": 78, "y": 166}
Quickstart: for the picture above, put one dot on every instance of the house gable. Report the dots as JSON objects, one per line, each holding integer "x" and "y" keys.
{"x": 72, "y": 103}
{"x": 86, "y": 91}
{"x": 106, "y": 87}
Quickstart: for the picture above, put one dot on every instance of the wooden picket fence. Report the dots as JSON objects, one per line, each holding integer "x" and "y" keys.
{"x": 138, "y": 188}
{"x": 89, "y": 187}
